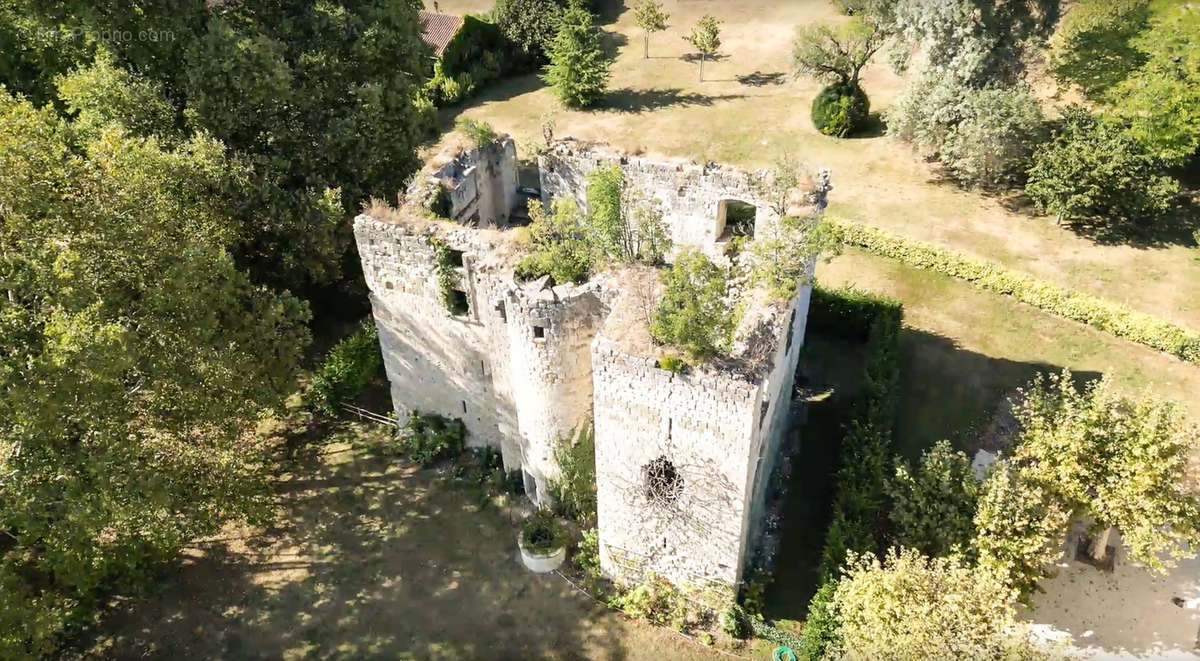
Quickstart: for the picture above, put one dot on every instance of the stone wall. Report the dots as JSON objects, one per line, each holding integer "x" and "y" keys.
{"x": 719, "y": 430}
{"x": 513, "y": 389}
{"x": 690, "y": 194}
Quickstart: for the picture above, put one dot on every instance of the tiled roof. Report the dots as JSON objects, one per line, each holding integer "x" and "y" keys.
{"x": 438, "y": 29}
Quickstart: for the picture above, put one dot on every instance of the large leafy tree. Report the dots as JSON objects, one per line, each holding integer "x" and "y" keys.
{"x": 910, "y": 606}
{"x": 1121, "y": 463}
{"x": 316, "y": 97}
{"x": 838, "y": 54}
{"x": 1093, "y": 48}
{"x": 135, "y": 355}
{"x": 578, "y": 69}
{"x": 1096, "y": 171}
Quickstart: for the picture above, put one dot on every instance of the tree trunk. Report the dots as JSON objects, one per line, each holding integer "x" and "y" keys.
{"x": 701, "y": 67}
{"x": 1100, "y": 546}
{"x": 646, "y": 46}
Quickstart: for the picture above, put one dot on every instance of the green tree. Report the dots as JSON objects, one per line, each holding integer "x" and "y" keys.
{"x": 1019, "y": 528}
{"x": 529, "y": 24}
{"x": 623, "y": 224}
{"x": 692, "y": 314}
{"x": 909, "y": 606}
{"x": 137, "y": 358}
{"x": 1093, "y": 46}
{"x": 578, "y": 69}
{"x": 1161, "y": 100}
{"x": 706, "y": 39}
{"x": 837, "y": 55}
{"x": 1121, "y": 463}
{"x": 105, "y": 94}
{"x": 784, "y": 252}
{"x": 651, "y": 18}
{"x": 560, "y": 247}
{"x": 1094, "y": 170}
{"x": 933, "y": 504}
{"x": 993, "y": 142}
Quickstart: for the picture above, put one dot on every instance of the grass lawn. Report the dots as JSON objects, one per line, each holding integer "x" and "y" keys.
{"x": 371, "y": 559}
{"x": 963, "y": 349}
{"x": 749, "y": 111}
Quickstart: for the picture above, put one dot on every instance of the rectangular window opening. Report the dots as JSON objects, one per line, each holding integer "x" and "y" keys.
{"x": 460, "y": 305}
{"x": 539, "y": 332}
{"x": 456, "y": 257}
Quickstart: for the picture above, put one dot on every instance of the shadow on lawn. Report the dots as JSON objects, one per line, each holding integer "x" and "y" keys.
{"x": 632, "y": 100}
{"x": 945, "y": 392}
{"x": 369, "y": 560}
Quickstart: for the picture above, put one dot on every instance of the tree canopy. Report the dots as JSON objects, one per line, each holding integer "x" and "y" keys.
{"x": 136, "y": 357}
{"x": 578, "y": 69}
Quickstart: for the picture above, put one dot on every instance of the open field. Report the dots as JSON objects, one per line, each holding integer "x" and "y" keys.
{"x": 749, "y": 111}
{"x": 372, "y": 559}
{"x": 963, "y": 349}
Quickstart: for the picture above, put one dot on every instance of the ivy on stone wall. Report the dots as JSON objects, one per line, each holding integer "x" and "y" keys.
{"x": 447, "y": 262}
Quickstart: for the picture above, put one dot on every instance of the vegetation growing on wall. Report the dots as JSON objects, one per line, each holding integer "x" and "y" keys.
{"x": 447, "y": 262}
{"x": 574, "y": 492}
{"x": 348, "y": 368}
{"x": 693, "y": 315}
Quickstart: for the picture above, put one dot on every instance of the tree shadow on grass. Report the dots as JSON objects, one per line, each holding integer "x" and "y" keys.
{"x": 632, "y": 100}
{"x": 370, "y": 559}
{"x": 945, "y": 392}
{"x": 760, "y": 78}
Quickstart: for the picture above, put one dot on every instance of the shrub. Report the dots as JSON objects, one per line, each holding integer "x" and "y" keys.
{"x": 447, "y": 263}
{"x": 991, "y": 146}
{"x": 656, "y": 600}
{"x": 587, "y": 554}
{"x": 860, "y": 496}
{"x": 348, "y": 368}
{"x": 1098, "y": 313}
{"x": 735, "y": 623}
{"x": 693, "y": 315}
{"x": 428, "y": 438}
{"x": 480, "y": 133}
{"x": 840, "y": 110}
{"x": 933, "y": 504}
{"x": 541, "y": 533}
{"x": 1094, "y": 170}
{"x": 560, "y": 247}
{"x": 672, "y": 363}
{"x": 530, "y": 25}
{"x": 574, "y": 492}
{"x": 820, "y": 625}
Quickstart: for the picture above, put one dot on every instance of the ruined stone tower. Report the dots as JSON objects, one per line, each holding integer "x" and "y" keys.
{"x": 682, "y": 459}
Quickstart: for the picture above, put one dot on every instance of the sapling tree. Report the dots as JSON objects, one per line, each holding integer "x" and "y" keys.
{"x": 706, "y": 39}
{"x": 651, "y": 18}
{"x": 693, "y": 315}
{"x": 783, "y": 252}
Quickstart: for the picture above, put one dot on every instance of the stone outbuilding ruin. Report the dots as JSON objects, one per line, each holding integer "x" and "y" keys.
{"x": 682, "y": 458}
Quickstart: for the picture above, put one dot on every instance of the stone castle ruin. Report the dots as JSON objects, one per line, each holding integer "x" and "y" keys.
{"x": 682, "y": 458}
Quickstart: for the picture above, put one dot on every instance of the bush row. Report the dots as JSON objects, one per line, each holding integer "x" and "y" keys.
{"x": 349, "y": 367}
{"x": 1110, "y": 317}
{"x": 860, "y": 496}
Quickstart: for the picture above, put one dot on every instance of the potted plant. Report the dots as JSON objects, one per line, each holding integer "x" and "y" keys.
{"x": 543, "y": 543}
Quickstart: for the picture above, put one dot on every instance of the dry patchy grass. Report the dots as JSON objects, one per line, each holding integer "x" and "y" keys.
{"x": 749, "y": 111}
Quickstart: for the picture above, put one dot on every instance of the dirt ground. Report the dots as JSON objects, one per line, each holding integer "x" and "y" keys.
{"x": 1129, "y": 613}
{"x": 372, "y": 559}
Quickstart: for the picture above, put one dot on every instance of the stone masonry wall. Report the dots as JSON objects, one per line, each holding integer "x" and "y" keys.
{"x": 690, "y": 194}
{"x": 512, "y": 389}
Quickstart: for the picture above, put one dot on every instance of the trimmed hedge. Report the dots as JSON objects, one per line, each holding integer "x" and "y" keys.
{"x": 1107, "y": 316}
{"x": 840, "y": 110}
{"x": 860, "y": 497}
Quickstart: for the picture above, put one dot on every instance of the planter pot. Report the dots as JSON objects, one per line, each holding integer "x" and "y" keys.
{"x": 539, "y": 562}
